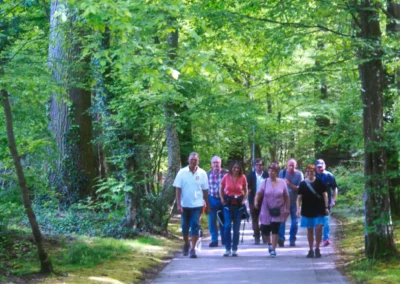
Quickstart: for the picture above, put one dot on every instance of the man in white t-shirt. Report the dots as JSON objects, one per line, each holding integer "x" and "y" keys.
{"x": 191, "y": 185}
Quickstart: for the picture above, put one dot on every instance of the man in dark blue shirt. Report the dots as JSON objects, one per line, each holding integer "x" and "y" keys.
{"x": 329, "y": 180}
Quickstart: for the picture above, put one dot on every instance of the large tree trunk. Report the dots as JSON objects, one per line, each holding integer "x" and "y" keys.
{"x": 378, "y": 228}
{"x": 71, "y": 124}
{"x": 101, "y": 98}
{"x": 45, "y": 262}
{"x": 392, "y": 152}
{"x": 173, "y": 145}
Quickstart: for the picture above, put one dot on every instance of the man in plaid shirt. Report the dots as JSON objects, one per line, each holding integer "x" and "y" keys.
{"x": 214, "y": 180}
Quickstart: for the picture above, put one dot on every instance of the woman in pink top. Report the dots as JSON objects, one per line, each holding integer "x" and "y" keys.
{"x": 233, "y": 193}
{"x": 274, "y": 207}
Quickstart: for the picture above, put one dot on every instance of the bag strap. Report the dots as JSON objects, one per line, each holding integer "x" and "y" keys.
{"x": 312, "y": 189}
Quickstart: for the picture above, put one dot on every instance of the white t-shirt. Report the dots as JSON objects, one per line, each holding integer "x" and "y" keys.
{"x": 259, "y": 179}
{"x": 192, "y": 186}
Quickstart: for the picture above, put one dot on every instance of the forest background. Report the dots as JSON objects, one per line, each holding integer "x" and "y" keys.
{"x": 106, "y": 99}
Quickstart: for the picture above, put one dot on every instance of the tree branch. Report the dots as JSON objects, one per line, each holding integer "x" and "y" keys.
{"x": 292, "y": 24}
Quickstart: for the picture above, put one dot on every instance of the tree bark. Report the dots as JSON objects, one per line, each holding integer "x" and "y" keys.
{"x": 173, "y": 143}
{"x": 378, "y": 227}
{"x": 392, "y": 152}
{"x": 45, "y": 262}
{"x": 70, "y": 123}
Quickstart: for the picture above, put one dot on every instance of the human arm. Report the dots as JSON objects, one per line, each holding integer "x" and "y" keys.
{"x": 178, "y": 193}
{"x": 325, "y": 195}
{"x": 334, "y": 186}
{"x": 205, "y": 197}
{"x": 245, "y": 190}
{"x": 287, "y": 201}
{"x": 298, "y": 202}
{"x": 257, "y": 199}
{"x": 334, "y": 196}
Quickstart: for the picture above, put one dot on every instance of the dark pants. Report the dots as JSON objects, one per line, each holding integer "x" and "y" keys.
{"x": 255, "y": 216}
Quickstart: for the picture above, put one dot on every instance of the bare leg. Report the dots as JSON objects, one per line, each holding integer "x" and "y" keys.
{"x": 318, "y": 236}
{"x": 186, "y": 239}
{"x": 310, "y": 237}
{"x": 274, "y": 241}
{"x": 194, "y": 241}
{"x": 267, "y": 238}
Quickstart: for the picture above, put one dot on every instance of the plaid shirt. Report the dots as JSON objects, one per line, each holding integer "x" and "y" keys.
{"x": 214, "y": 182}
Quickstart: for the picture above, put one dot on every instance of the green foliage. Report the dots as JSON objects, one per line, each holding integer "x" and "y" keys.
{"x": 77, "y": 221}
{"x": 351, "y": 186}
{"x": 86, "y": 254}
{"x": 153, "y": 213}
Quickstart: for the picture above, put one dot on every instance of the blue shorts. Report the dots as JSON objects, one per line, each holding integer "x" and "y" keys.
{"x": 312, "y": 222}
{"x": 191, "y": 219}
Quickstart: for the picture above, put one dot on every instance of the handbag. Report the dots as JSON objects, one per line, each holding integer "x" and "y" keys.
{"x": 274, "y": 212}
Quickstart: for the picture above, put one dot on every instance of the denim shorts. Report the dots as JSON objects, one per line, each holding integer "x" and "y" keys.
{"x": 307, "y": 222}
{"x": 190, "y": 218}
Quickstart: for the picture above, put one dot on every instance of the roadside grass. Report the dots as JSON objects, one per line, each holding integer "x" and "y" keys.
{"x": 352, "y": 260}
{"x": 86, "y": 260}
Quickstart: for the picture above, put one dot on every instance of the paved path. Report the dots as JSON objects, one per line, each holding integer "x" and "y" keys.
{"x": 254, "y": 265}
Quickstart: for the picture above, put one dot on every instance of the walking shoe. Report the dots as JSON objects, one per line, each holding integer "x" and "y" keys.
{"x": 326, "y": 243}
{"x": 269, "y": 248}
{"x": 257, "y": 241}
{"x": 292, "y": 244}
{"x": 281, "y": 243}
{"x": 186, "y": 249}
{"x": 213, "y": 244}
{"x": 192, "y": 253}
{"x": 310, "y": 254}
{"x": 272, "y": 253}
{"x": 227, "y": 253}
{"x": 317, "y": 253}
{"x": 234, "y": 253}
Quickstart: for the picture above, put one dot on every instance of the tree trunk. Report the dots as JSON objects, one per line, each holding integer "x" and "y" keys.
{"x": 392, "y": 152}
{"x": 45, "y": 262}
{"x": 71, "y": 124}
{"x": 101, "y": 100}
{"x": 173, "y": 144}
{"x": 378, "y": 227}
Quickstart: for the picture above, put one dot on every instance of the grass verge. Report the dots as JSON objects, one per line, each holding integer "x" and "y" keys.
{"x": 352, "y": 261}
{"x": 87, "y": 260}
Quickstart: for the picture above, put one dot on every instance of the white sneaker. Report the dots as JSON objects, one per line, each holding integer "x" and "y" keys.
{"x": 227, "y": 253}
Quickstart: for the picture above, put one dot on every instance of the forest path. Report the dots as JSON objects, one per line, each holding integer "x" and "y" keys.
{"x": 254, "y": 265}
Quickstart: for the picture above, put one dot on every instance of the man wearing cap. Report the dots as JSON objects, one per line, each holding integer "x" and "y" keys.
{"x": 214, "y": 182}
{"x": 329, "y": 180}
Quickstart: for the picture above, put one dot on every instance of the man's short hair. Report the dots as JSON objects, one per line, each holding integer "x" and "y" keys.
{"x": 258, "y": 160}
{"x": 216, "y": 157}
{"x": 193, "y": 154}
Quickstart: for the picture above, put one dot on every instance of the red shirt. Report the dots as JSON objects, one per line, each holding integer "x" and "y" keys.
{"x": 232, "y": 187}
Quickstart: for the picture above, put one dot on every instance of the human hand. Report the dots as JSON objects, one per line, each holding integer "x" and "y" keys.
{"x": 333, "y": 202}
{"x": 180, "y": 209}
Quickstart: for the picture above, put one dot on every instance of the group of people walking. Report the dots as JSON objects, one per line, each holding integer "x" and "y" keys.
{"x": 272, "y": 196}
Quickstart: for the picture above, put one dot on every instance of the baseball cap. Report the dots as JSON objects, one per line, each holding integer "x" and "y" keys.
{"x": 319, "y": 162}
